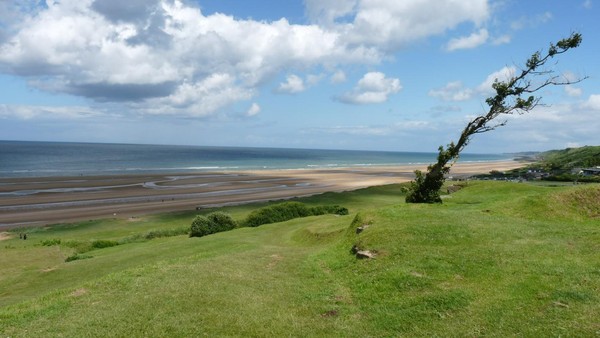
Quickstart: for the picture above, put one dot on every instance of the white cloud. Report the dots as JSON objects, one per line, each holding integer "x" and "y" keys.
{"x": 313, "y": 79}
{"x": 502, "y": 40}
{"x": 253, "y": 110}
{"x": 376, "y": 130}
{"x": 456, "y": 91}
{"x": 24, "y": 112}
{"x": 199, "y": 99}
{"x": 587, "y": 4}
{"x": 326, "y": 12}
{"x": 549, "y": 127}
{"x": 534, "y": 21}
{"x": 504, "y": 74}
{"x": 338, "y": 77}
{"x": 453, "y": 91}
{"x": 593, "y": 102}
{"x": 161, "y": 56}
{"x": 391, "y": 24}
{"x": 293, "y": 84}
{"x": 468, "y": 42}
{"x": 573, "y": 91}
{"x": 374, "y": 87}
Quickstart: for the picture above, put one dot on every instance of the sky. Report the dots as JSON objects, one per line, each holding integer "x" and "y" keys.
{"x": 391, "y": 75}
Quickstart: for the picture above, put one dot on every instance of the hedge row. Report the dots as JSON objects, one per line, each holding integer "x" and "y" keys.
{"x": 289, "y": 210}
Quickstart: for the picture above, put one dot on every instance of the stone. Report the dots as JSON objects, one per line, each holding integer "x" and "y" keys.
{"x": 365, "y": 254}
{"x": 361, "y": 228}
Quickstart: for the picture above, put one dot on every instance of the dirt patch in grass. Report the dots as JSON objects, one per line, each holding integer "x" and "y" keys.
{"x": 79, "y": 292}
{"x": 275, "y": 259}
{"x": 5, "y": 236}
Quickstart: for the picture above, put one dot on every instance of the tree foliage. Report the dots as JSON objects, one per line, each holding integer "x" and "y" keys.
{"x": 514, "y": 96}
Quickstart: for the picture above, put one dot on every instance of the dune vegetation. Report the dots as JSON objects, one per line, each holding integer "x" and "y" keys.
{"x": 495, "y": 259}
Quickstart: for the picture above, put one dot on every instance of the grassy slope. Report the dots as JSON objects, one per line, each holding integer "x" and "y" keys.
{"x": 569, "y": 158}
{"x": 495, "y": 259}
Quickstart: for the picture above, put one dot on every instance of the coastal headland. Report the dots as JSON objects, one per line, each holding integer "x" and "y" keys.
{"x": 50, "y": 200}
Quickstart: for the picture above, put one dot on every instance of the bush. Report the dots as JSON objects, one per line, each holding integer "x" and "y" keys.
{"x": 201, "y": 226}
{"x": 103, "y": 243}
{"x": 79, "y": 246}
{"x": 211, "y": 224}
{"x": 222, "y": 221}
{"x": 289, "y": 210}
{"x": 51, "y": 242}
{"x": 277, "y": 213}
{"x": 338, "y": 210}
{"x": 152, "y": 234}
{"x": 76, "y": 257}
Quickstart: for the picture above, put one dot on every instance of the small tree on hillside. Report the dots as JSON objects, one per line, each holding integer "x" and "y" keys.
{"x": 514, "y": 96}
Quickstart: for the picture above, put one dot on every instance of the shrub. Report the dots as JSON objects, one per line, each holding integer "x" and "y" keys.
{"x": 80, "y": 246}
{"x": 337, "y": 210}
{"x": 51, "y": 242}
{"x": 152, "y": 234}
{"x": 76, "y": 257}
{"x": 222, "y": 221}
{"x": 211, "y": 224}
{"x": 103, "y": 243}
{"x": 201, "y": 226}
{"x": 277, "y": 213}
{"x": 289, "y": 210}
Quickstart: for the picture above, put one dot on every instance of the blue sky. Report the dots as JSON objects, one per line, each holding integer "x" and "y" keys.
{"x": 330, "y": 74}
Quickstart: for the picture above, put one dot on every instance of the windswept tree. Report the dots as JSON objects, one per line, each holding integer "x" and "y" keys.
{"x": 514, "y": 96}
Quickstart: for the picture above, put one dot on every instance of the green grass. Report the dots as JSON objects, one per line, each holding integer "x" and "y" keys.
{"x": 496, "y": 259}
{"x": 587, "y": 156}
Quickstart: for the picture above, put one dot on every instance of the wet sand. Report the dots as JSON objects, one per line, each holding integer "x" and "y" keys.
{"x": 40, "y": 201}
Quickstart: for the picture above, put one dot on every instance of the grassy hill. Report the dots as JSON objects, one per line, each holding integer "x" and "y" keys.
{"x": 496, "y": 259}
{"x": 566, "y": 159}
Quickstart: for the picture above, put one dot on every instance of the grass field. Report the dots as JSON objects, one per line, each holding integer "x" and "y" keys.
{"x": 496, "y": 259}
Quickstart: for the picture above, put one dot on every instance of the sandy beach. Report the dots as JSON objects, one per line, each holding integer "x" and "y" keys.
{"x": 41, "y": 201}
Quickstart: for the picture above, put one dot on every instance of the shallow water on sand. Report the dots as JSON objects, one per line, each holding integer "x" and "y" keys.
{"x": 42, "y": 159}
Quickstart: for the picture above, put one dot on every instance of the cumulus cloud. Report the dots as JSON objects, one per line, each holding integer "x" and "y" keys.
{"x": 293, "y": 84}
{"x": 199, "y": 99}
{"x": 593, "y": 102}
{"x": 338, "y": 77}
{"x": 468, "y": 42}
{"x": 501, "y": 40}
{"x": 326, "y": 12}
{"x": 573, "y": 91}
{"x": 164, "y": 56}
{"x": 253, "y": 110}
{"x": 456, "y": 91}
{"x": 504, "y": 74}
{"x": 391, "y": 24}
{"x": 453, "y": 91}
{"x": 374, "y": 87}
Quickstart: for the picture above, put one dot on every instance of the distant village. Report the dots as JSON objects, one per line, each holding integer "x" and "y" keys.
{"x": 532, "y": 174}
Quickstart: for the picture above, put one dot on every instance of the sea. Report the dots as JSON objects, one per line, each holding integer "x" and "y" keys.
{"x": 44, "y": 159}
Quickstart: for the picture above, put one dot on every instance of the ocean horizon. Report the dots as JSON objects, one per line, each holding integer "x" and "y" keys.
{"x": 43, "y": 159}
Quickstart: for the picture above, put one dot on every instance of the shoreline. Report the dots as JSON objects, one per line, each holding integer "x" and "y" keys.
{"x": 38, "y": 201}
